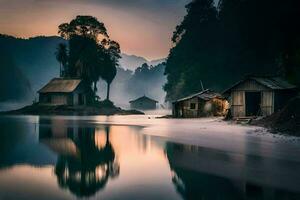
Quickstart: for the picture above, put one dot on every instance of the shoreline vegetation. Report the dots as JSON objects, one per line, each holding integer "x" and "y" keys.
{"x": 86, "y": 110}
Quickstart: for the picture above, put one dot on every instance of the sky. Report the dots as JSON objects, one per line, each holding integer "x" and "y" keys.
{"x": 142, "y": 27}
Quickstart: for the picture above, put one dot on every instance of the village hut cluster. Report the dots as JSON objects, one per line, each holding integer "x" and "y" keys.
{"x": 76, "y": 92}
{"x": 251, "y": 97}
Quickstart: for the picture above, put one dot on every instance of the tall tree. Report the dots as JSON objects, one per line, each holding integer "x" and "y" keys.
{"x": 62, "y": 57}
{"x": 86, "y": 26}
{"x": 81, "y": 33}
{"x": 241, "y": 37}
{"x": 92, "y": 55}
{"x": 111, "y": 61}
{"x": 195, "y": 47}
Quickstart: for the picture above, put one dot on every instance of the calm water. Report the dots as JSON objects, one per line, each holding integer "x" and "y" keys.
{"x": 91, "y": 158}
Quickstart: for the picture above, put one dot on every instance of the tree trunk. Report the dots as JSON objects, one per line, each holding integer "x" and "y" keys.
{"x": 108, "y": 88}
{"x": 60, "y": 73}
{"x": 95, "y": 87}
{"x": 107, "y": 129}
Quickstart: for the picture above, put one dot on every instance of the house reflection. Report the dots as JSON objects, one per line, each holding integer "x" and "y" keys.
{"x": 202, "y": 173}
{"x": 86, "y": 158}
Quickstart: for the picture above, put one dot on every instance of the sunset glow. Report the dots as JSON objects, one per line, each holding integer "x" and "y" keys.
{"x": 134, "y": 25}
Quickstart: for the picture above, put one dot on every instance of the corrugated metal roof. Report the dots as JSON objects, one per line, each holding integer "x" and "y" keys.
{"x": 275, "y": 83}
{"x": 60, "y": 85}
{"x": 205, "y": 95}
{"x": 143, "y": 98}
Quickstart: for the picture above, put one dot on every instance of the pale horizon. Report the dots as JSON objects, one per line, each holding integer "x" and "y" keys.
{"x": 142, "y": 28}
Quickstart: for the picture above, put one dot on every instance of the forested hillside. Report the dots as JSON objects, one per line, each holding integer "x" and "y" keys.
{"x": 219, "y": 45}
{"x": 32, "y": 63}
{"x": 34, "y": 57}
{"x": 14, "y": 86}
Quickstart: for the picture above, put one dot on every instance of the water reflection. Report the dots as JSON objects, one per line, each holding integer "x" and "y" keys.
{"x": 63, "y": 158}
{"x": 202, "y": 173}
{"x": 86, "y": 156}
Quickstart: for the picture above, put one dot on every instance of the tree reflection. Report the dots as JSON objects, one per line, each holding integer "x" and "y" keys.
{"x": 85, "y": 166}
{"x": 191, "y": 181}
{"x": 203, "y": 173}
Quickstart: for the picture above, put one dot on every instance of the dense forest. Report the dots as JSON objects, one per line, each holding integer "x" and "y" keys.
{"x": 220, "y": 44}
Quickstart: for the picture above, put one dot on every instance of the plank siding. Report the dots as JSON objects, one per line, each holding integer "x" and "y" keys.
{"x": 250, "y": 85}
{"x": 238, "y": 103}
{"x": 187, "y": 111}
{"x": 59, "y": 99}
{"x": 267, "y": 104}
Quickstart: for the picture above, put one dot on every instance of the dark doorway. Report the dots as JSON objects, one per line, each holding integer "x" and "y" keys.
{"x": 253, "y": 101}
{"x": 80, "y": 99}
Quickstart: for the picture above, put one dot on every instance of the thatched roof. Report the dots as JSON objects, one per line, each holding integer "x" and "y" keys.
{"x": 206, "y": 95}
{"x": 143, "y": 98}
{"x": 60, "y": 85}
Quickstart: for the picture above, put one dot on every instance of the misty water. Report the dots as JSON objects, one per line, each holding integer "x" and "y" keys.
{"x": 142, "y": 157}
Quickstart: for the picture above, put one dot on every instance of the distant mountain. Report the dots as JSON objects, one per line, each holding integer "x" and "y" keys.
{"x": 35, "y": 57}
{"x": 132, "y": 62}
{"x": 33, "y": 64}
{"x": 14, "y": 86}
{"x": 156, "y": 62}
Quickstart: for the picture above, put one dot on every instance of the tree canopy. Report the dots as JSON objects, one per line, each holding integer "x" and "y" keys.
{"x": 92, "y": 54}
{"x": 219, "y": 44}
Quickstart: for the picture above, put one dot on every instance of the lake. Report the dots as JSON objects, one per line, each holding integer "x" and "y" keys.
{"x": 141, "y": 157}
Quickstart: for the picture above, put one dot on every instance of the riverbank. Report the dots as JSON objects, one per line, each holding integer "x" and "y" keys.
{"x": 285, "y": 121}
{"x": 38, "y": 109}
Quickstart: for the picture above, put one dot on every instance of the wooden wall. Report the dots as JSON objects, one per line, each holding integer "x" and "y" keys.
{"x": 187, "y": 111}
{"x": 238, "y": 101}
{"x": 143, "y": 105}
{"x": 213, "y": 107}
{"x": 267, "y": 103}
{"x": 59, "y": 99}
{"x": 54, "y": 98}
{"x": 81, "y": 89}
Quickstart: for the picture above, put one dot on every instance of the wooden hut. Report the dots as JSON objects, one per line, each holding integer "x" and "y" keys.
{"x": 64, "y": 91}
{"x": 143, "y": 103}
{"x": 259, "y": 96}
{"x": 204, "y": 103}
